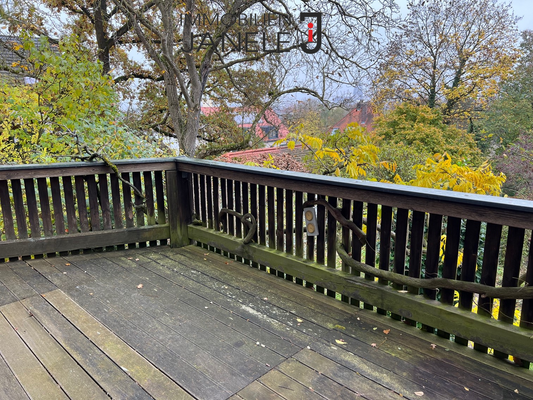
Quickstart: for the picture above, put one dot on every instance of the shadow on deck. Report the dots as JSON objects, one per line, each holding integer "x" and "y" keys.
{"x": 188, "y": 323}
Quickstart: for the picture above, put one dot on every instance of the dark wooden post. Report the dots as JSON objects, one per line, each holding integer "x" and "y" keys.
{"x": 179, "y": 207}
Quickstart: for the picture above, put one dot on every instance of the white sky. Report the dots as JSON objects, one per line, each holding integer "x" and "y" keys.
{"x": 522, "y": 8}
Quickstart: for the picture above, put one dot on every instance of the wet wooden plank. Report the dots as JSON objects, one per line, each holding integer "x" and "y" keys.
{"x": 343, "y": 376}
{"x": 10, "y": 387}
{"x": 6, "y": 296}
{"x": 255, "y": 391}
{"x": 149, "y": 347}
{"x": 65, "y": 371}
{"x": 411, "y": 354}
{"x": 197, "y": 332}
{"x": 148, "y": 377}
{"x": 25, "y": 366}
{"x": 287, "y": 387}
{"x": 15, "y": 284}
{"x": 312, "y": 379}
{"x": 102, "y": 369}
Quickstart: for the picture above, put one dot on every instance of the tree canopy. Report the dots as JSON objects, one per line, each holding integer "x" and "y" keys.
{"x": 64, "y": 108}
{"x": 450, "y": 54}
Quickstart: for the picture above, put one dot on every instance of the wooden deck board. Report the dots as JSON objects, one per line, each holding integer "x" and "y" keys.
{"x": 25, "y": 366}
{"x": 308, "y": 331}
{"x": 109, "y": 375}
{"x": 370, "y": 330}
{"x": 206, "y": 326}
{"x": 149, "y": 377}
{"x": 10, "y": 387}
{"x": 74, "y": 381}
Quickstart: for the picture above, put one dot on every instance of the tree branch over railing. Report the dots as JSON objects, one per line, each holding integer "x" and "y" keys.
{"x": 437, "y": 283}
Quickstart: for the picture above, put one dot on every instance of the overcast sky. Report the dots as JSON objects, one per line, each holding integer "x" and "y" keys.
{"x": 522, "y": 8}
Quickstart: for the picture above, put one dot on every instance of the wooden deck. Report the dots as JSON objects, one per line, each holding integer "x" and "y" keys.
{"x": 187, "y": 323}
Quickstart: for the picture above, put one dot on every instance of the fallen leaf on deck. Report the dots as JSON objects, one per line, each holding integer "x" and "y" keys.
{"x": 205, "y": 259}
{"x": 386, "y": 331}
{"x": 130, "y": 258}
{"x": 227, "y": 263}
{"x": 206, "y": 254}
{"x": 299, "y": 320}
{"x": 339, "y": 327}
{"x": 139, "y": 286}
{"x": 359, "y": 319}
{"x": 374, "y": 345}
{"x": 433, "y": 346}
{"x": 67, "y": 263}
{"x": 467, "y": 389}
{"x": 516, "y": 391}
{"x": 375, "y": 329}
{"x": 419, "y": 393}
{"x": 136, "y": 259}
{"x": 340, "y": 341}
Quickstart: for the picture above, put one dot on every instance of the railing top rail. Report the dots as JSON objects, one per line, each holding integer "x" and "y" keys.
{"x": 492, "y": 209}
{"x": 386, "y": 188}
{"x": 83, "y": 168}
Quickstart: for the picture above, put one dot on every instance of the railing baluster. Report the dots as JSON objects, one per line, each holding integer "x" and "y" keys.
{"x": 238, "y": 208}
{"x": 449, "y": 270}
{"x": 468, "y": 269}
{"x": 139, "y": 203}
{"x": 271, "y": 206}
{"x": 370, "y": 248}
{"x": 400, "y": 248}
{"x": 331, "y": 238}
{"x": 415, "y": 252}
{"x": 384, "y": 245}
{"x": 160, "y": 197}
{"x": 7, "y": 215}
{"x": 432, "y": 257}
{"x": 526, "y": 317}
{"x": 489, "y": 270}
{"x": 209, "y": 183}
{"x": 346, "y": 208}
{"x": 511, "y": 272}
{"x": 310, "y": 251}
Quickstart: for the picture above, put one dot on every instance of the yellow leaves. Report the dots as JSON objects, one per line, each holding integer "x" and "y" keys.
{"x": 291, "y": 144}
{"x": 440, "y": 173}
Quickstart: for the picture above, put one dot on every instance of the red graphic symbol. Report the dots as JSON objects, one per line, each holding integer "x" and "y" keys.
{"x": 310, "y": 32}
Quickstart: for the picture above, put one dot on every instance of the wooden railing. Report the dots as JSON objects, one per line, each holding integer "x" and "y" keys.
{"x": 422, "y": 233}
{"x": 48, "y": 209}
{"x": 413, "y": 231}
